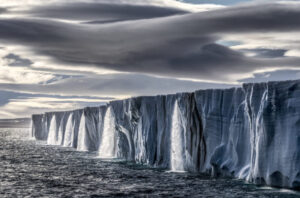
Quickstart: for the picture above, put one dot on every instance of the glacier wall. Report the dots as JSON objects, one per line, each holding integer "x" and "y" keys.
{"x": 251, "y": 132}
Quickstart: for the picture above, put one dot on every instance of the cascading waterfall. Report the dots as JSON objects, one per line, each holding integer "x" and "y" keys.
{"x": 52, "y": 138}
{"x": 69, "y": 133}
{"x": 107, "y": 146}
{"x": 81, "y": 146}
{"x": 177, "y": 147}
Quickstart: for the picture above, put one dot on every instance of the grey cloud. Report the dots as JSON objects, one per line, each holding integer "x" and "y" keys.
{"x": 6, "y": 95}
{"x": 113, "y": 85}
{"x": 180, "y": 46}
{"x": 267, "y": 53}
{"x": 3, "y": 10}
{"x": 104, "y": 12}
{"x": 222, "y": 2}
{"x": 273, "y": 76}
{"x": 12, "y": 96}
{"x": 59, "y": 77}
{"x": 96, "y": 87}
{"x": 16, "y": 60}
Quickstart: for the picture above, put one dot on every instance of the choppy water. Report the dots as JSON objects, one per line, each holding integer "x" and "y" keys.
{"x": 33, "y": 169}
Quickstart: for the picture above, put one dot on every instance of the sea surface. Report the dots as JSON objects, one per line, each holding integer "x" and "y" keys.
{"x": 33, "y": 169}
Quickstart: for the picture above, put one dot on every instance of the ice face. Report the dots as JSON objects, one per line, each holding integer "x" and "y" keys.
{"x": 250, "y": 132}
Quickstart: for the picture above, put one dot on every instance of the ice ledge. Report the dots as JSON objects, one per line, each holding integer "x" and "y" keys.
{"x": 251, "y": 132}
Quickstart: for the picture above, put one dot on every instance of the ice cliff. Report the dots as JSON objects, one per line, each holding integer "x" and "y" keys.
{"x": 251, "y": 132}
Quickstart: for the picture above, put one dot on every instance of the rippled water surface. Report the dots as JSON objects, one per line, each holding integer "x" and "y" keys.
{"x": 33, "y": 169}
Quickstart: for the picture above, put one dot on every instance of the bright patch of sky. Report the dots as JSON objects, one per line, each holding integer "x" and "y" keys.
{"x": 235, "y": 2}
{"x": 222, "y": 2}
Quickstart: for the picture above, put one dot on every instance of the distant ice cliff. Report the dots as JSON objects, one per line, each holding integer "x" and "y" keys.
{"x": 252, "y": 132}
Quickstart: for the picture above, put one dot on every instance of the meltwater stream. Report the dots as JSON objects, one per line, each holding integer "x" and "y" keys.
{"x": 33, "y": 169}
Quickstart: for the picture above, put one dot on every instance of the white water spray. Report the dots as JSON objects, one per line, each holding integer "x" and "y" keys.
{"x": 51, "y": 140}
{"x": 177, "y": 148}
{"x": 69, "y": 133}
{"x": 107, "y": 146}
{"x": 30, "y": 132}
{"x": 81, "y": 145}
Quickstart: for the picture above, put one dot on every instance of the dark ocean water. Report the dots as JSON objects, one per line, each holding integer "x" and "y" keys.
{"x": 33, "y": 169}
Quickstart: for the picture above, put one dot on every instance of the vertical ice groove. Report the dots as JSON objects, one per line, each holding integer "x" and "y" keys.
{"x": 69, "y": 132}
{"x": 108, "y": 141}
{"x": 177, "y": 147}
{"x": 60, "y": 133}
{"x": 259, "y": 131}
{"x": 248, "y": 110}
{"x": 256, "y": 130}
{"x": 52, "y": 136}
{"x": 126, "y": 132}
{"x": 140, "y": 154}
{"x": 81, "y": 146}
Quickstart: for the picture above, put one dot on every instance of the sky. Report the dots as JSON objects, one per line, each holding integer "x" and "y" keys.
{"x": 60, "y": 55}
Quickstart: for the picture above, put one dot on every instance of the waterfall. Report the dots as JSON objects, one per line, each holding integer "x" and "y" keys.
{"x": 51, "y": 140}
{"x": 69, "y": 133}
{"x": 81, "y": 146}
{"x": 107, "y": 146}
{"x": 177, "y": 147}
{"x": 31, "y": 133}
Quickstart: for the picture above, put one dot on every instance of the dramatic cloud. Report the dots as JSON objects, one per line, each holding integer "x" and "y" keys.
{"x": 103, "y": 12}
{"x": 115, "y": 85}
{"x": 274, "y": 76}
{"x": 20, "y": 104}
{"x": 179, "y": 46}
{"x": 71, "y": 93}
{"x": 266, "y": 53}
{"x": 57, "y": 53}
{"x": 15, "y": 60}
